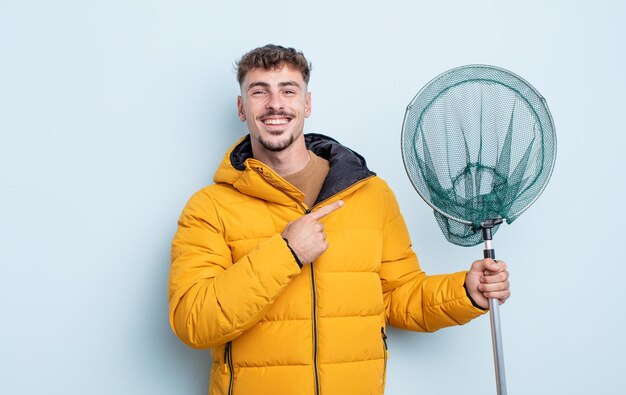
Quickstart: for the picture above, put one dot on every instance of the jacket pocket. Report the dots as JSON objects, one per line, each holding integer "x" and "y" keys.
{"x": 385, "y": 355}
{"x": 228, "y": 362}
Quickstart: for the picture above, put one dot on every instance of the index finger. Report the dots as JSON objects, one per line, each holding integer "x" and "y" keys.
{"x": 324, "y": 211}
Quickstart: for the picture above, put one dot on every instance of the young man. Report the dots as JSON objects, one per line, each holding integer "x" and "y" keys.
{"x": 293, "y": 263}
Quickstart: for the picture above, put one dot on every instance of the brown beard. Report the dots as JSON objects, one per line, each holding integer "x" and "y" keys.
{"x": 276, "y": 147}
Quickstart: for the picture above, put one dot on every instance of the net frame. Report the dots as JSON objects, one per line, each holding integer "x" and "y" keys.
{"x": 447, "y": 82}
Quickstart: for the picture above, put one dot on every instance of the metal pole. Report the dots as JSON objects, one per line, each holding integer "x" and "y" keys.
{"x": 496, "y": 340}
{"x": 494, "y": 315}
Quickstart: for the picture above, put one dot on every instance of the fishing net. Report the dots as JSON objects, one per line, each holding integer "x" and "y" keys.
{"x": 478, "y": 143}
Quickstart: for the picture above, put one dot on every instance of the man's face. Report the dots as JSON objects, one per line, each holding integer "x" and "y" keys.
{"x": 274, "y": 104}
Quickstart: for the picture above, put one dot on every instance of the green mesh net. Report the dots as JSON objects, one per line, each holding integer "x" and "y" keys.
{"x": 478, "y": 144}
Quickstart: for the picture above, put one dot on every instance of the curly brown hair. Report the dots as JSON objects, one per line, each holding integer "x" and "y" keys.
{"x": 272, "y": 57}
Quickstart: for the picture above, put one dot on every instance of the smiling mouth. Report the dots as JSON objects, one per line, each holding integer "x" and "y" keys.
{"x": 272, "y": 118}
{"x": 276, "y": 121}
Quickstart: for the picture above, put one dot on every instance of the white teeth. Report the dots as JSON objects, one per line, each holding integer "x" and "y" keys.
{"x": 274, "y": 121}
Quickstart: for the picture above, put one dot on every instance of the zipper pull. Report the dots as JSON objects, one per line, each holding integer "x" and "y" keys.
{"x": 384, "y": 335}
{"x": 226, "y": 353}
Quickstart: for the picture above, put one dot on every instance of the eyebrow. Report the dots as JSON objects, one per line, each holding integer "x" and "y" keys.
{"x": 288, "y": 83}
{"x": 266, "y": 85}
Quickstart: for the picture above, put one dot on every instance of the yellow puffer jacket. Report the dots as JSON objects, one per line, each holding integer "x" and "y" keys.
{"x": 275, "y": 328}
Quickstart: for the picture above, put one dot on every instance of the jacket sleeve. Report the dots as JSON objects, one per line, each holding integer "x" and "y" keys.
{"x": 414, "y": 300}
{"x": 213, "y": 299}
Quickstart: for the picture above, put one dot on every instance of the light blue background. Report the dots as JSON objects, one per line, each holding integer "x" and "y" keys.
{"x": 113, "y": 113}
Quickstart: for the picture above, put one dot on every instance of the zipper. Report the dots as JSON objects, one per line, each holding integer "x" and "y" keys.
{"x": 228, "y": 360}
{"x": 385, "y": 355}
{"x": 314, "y": 320}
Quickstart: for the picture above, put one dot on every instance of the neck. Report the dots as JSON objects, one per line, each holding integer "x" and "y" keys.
{"x": 288, "y": 161}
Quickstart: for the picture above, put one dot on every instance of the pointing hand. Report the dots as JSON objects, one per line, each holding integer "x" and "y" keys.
{"x": 306, "y": 235}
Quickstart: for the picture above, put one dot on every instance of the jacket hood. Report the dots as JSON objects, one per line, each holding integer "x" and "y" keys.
{"x": 346, "y": 167}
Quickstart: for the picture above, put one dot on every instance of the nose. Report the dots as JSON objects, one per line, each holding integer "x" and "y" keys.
{"x": 274, "y": 102}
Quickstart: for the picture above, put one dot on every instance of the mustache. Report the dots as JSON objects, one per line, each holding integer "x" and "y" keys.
{"x": 273, "y": 113}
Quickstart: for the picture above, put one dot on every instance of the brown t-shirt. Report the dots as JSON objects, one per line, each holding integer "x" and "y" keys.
{"x": 310, "y": 179}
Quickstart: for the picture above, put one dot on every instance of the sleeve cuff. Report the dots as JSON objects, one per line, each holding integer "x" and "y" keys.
{"x": 296, "y": 256}
{"x": 472, "y": 300}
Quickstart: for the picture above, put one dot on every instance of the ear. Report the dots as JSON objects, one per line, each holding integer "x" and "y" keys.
{"x": 240, "y": 111}
{"x": 307, "y": 105}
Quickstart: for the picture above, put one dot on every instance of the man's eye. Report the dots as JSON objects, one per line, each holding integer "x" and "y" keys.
{"x": 290, "y": 93}
{"x": 257, "y": 93}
